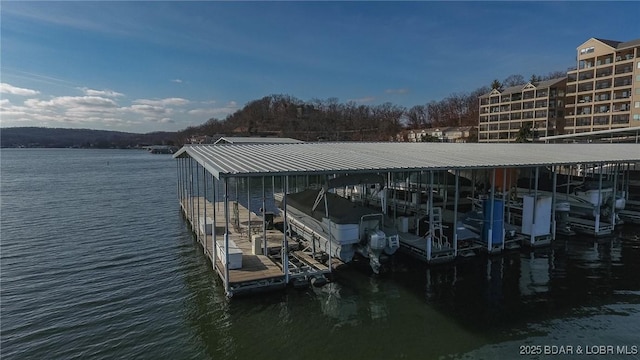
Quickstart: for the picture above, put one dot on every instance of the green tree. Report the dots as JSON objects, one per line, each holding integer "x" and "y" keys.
{"x": 524, "y": 134}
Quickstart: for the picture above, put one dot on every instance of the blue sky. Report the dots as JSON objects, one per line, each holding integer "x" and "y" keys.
{"x": 163, "y": 66}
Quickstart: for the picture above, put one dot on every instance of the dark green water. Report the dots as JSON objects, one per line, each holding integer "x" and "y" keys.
{"x": 97, "y": 262}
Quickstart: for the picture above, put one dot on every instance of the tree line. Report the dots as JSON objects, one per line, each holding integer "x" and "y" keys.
{"x": 330, "y": 120}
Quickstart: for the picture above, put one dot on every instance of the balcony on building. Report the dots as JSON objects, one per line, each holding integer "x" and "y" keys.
{"x": 625, "y": 55}
{"x": 601, "y": 120}
{"x": 623, "y": 69}
{"x": 541, "y": 103}
{"x": 608, "y": 71}
{"x": 621, "y": 95}
{"x": 585, "y": 75}
{"x": 604, "y": 60}
{"x": 585, "y": 87}
{"x": 528, "y": 95}
{"x": 623, "y": 81}
{"x": 620, "y": 119}
{"x": 585, "y": 64}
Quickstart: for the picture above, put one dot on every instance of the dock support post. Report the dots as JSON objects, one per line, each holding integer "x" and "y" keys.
{"x": 249, "y": 208}
{"x": 197, "y": 217}
{"x": 204, "y": 228}
{"x": 492, "y": 200}
{"x": 191, "y": 201}
{"x": 613, "y": 200}
{"x": 326, "y": 212}
{"x": 597, "y": 225}
{"x": 226, "y": 237}
{"x": 285, "y": 243}
{"x": 504, "y": 200}
{"x": 214, "y": 221}
{"x": 264, "y": 219}
{"x": 535, "y": 205}
{"x": 553, "y": 203}
{"x": 455, "y": 214}
{"x": 431, "y": 228}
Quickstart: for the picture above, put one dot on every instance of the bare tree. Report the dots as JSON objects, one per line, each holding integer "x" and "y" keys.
{"x": 513, "y": 80}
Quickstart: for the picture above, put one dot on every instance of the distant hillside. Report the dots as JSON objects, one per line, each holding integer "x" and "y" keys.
{"x": 81, "y": 138}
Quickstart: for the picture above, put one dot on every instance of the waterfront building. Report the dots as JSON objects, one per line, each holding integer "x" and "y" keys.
{"x": 539, "y": 106}
{"x": 456, "y": 134}
{"x": 603, "y": 89}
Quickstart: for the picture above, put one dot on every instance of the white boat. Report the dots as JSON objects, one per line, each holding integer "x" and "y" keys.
{"x": 348, "y": 228}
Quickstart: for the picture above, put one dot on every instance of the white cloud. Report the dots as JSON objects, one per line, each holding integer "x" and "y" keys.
{"x": 9, "y": 89}
{"x": 163, "y": 102}
{"x": 4, "y": 103}
{"x": 177, "y": 81}
{"x": 401, "y": 91}
{"x": 71, "y": 102}
{"x": 149, "y": 110}
{"x": 107, "y": 93}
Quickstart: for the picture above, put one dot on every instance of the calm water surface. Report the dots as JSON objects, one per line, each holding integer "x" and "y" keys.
{"x": 97, "y": 262}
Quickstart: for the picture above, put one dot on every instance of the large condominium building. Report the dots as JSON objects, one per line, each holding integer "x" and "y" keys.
{"x": 603, "y": 90}
{"x": 538, "y": 106}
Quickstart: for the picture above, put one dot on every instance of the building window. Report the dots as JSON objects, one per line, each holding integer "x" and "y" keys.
{"x": 636, "y": 116}
{"x": 637, "y": 105}
{"x": 587, "y": 50}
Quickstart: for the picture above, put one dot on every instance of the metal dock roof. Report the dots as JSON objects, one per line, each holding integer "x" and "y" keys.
{"x": 352, "y": 157}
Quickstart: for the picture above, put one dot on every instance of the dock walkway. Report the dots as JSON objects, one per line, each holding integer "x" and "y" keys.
{"x": 257, "y": 271}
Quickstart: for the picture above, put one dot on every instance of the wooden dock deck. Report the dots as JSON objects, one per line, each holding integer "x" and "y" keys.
{"x": 258, "y": 271}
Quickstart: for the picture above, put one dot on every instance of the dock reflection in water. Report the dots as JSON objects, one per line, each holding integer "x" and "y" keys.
{"x": 575, "y": 292}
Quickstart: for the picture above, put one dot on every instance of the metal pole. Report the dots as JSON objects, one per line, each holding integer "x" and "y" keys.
{"x": 599, "y": 199}
{"x": 613, "y": 201}
{"x": 535, "y": 206}
{"x": 455, "y": 214}
{"x": 326, "y": 212}
{"x": 249, "y": 208}
{"x": 504, "y": 198}
{"x": 264, "y": 219}
{"x": 197, "y": 220}
{"x": 204, "y": 178}
{"x": 214, "y": 221}
{"x": 226, "y": 236}
{"x": 430, "y": 237}
{"x": 418, "y": 200}
{"x": 492, "y": 200}
{"x": 178, "y": 178}
{"x": 191, "y": 202}
{"x": 553, "y": 203}
{"x": 285, "y": 243}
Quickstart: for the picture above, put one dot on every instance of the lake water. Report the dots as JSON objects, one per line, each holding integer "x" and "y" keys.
{"x": 97, "y": 262}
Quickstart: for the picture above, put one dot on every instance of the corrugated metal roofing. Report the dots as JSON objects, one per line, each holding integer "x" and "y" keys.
{"x": 256, "y": 140}
{"x": 330, "y": 158}
{"x": 598, "y": 134}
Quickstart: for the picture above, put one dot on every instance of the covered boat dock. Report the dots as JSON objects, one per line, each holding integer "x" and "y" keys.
{"x": 228, "y": 195}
